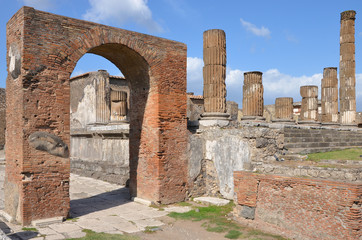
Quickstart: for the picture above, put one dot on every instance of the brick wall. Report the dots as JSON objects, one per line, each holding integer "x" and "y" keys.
{"x": 43, "y": 50}
{"x": 301, "y": 208}
{"x": 2, "y": 117}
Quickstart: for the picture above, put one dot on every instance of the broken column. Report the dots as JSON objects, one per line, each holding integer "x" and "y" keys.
{"x": 118, "y": 105}
{"x": 347, "y": 70}
{"x": 214, "y": 78}
{"x": 284, "y": 110}
{"x": 253, "y": 101}
{"x": 102, "y": 93}
{"x": 309, "y": 111}
{"x": 329, "y": 98}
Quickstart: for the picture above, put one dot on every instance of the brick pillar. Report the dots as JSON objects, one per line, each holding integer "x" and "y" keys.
{"x": 329, "y": 98}
{"x": 283, "y": 109}
{"x": 309, "y": 111}
{"x": 253, "y": 101}
{"x": 347, "y": 69}
{"x": 214, "y": 72}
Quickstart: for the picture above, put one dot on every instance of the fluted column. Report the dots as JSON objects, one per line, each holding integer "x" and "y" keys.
{"x": 214, "y": 79}
{"x": 283, "y": 109}
{"x": 214, "y": 71}
{"x": 253, "y": 101}
{"x": 347, "y": 69}
{"x": 102, "y": 97}
{"x": 309, "y": 111}
{"x": 329, "y": 98}
{"x": 118, "y": 105}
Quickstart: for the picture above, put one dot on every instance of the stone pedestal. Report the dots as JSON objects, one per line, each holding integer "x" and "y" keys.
{"x": 284, "y": 110}
{"x": 309, "y": 111}
{"x": 347, "y": 69}
{"x": 214, "y": 72}
{"x": 329, "y": 98}
{"x": 253, "y": 101}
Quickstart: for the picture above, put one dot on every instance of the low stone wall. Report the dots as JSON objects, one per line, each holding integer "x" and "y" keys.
{"x": 214, "y": 154}
{"x": 338, "y": 173}
{"x": 300, "y": 208}
{"x": 101, "y": 155}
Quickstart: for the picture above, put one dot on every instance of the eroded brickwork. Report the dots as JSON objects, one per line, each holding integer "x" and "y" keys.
{"x": 2, "y": 117}
{"x": 46, "y": 48}
{"x": 302, "y": 208}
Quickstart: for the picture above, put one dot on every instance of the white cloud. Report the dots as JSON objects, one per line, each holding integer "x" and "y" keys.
{"x": 121, "y": 12}
{"x": 234, "y": 77}
{"x": 261, "y": 32}
{"x": 43, "y": 5}
{"x": 194, "y": 69}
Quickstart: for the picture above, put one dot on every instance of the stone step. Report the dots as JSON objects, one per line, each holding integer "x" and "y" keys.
{"x": 321, "y": 144}
{"x": 314, "y": 150}
{"x": 322, "y": 139}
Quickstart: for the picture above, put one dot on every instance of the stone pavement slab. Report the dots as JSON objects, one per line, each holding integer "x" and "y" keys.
{"x": 212, "y": 201}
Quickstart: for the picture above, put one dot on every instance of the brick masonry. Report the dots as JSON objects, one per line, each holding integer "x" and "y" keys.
{"x": 43, "y": 50}
{"x": 2, "y": 117}
{"x": 301, "y": 208}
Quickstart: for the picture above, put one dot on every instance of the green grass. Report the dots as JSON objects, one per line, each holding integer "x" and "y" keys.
{"x": 347, "y": 154}
{"x": 216, "y": 220}
{"x": 233, "y": 234}
{"x": 103, "y": 236}
{"x": 184, "y": 204}
{"x": 29, "y": 229}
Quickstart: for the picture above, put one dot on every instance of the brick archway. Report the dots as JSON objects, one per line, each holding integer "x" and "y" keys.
{"x": 43, "y": 50}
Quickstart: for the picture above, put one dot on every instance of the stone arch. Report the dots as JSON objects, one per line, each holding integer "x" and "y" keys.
{"x": 37, "y": 172}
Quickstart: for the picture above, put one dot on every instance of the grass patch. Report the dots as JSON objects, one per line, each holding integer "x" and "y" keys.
{"x": 184, "y": 204}
{"x": 72, "y": 219}
{"x": 151, "y": 229}
{"x": 233, "y": 234}
{"x": 346, "y": 154}
{"x": 256, "y": 233}
{"x": 216, "y": 220}
{"x": 29, "y": 229}
{"x": 104, "y": 236}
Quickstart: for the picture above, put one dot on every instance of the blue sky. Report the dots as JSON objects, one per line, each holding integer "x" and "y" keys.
{"x": 290, "y": 41}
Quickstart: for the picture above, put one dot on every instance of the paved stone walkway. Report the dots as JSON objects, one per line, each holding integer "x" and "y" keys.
{"x": 95, "y": 205}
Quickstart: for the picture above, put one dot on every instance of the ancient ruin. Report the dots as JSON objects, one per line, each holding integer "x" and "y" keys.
{"x": 37, "y": 183}
{"x": 214, "y": 72}
{"x": 283, "y": 109}
{"x": 309, "y": 113}
{"x": 347, "y": 69}
{"x": 145, "y": 128}
{"x": 329, "y": 98}
{"x": 253, "y": 101}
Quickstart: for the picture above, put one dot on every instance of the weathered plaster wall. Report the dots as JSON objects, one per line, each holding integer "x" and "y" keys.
{"x": 216, "y": 153}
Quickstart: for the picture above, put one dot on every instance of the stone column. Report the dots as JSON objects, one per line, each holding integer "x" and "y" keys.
{"x": 347, "y": 69}
{"x": 309, "y": 111}
{"x": 253, "y": 101}
{"x": 329, "y": 98}
{"x": 118, "y": 106}
{"x": 214, "y": 72}
{"x": 284, "y": 110}
{"x": 102, "y": 97}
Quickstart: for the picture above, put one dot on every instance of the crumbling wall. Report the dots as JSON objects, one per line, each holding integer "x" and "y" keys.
{"x": 300, "y": 208}
{"x": 214, "y": 155}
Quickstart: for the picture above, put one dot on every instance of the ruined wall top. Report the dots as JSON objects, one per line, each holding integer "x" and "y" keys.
{"x": 350, "y": 14}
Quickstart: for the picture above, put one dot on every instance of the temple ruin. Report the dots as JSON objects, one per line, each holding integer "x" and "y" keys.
{"x": 170, "y": 145}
